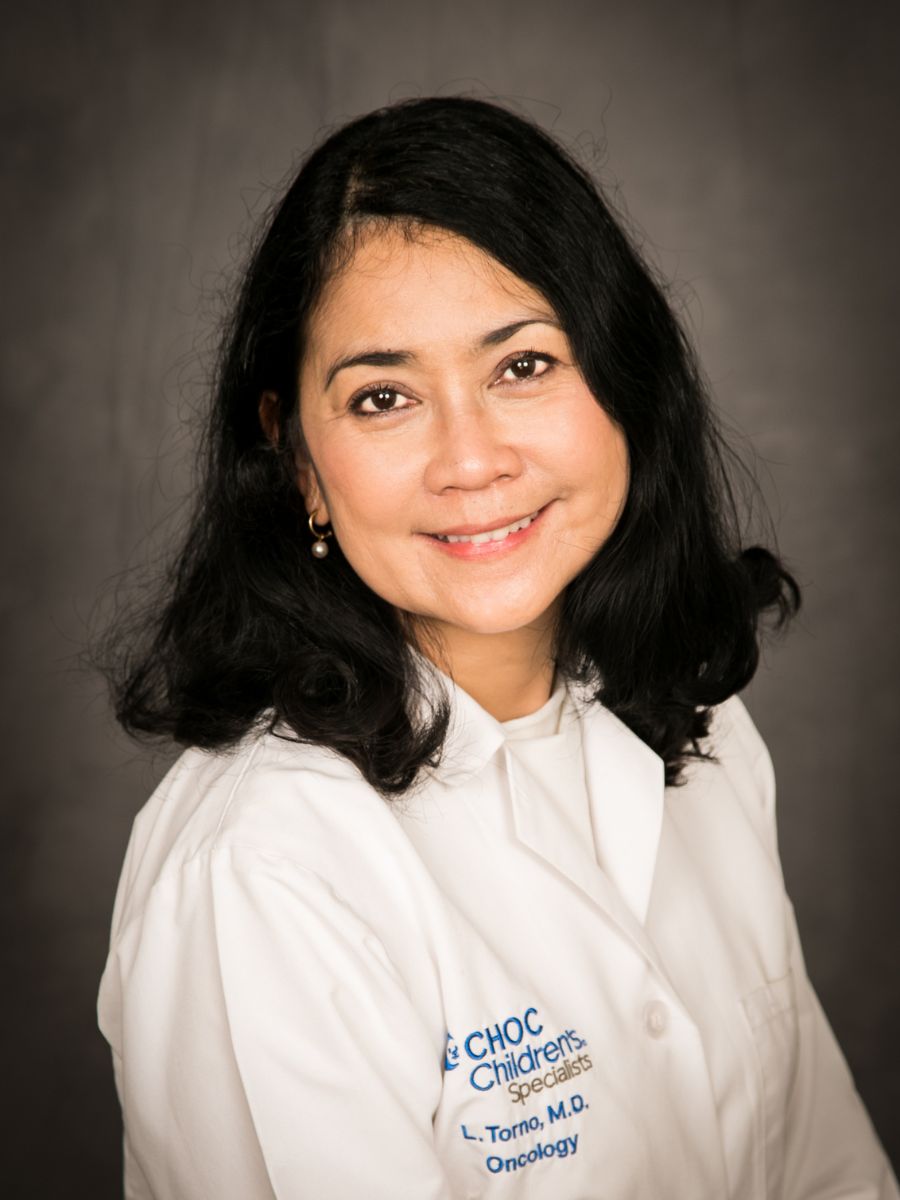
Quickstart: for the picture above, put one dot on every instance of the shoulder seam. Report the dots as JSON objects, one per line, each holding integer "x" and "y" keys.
{"x": 234, "y": 787}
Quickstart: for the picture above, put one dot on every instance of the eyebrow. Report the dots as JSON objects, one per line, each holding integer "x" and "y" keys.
{"x": 399, "y": 358}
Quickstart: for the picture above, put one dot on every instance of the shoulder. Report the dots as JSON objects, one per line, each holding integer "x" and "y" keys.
{"x": 269, "y": 792}
{"x": 739, "y": 765}
{"x": 267, "y": 801}
{"x": 310, "y": 805}
{"x": 275, "y": 838}
{"x": 734, "y": 738}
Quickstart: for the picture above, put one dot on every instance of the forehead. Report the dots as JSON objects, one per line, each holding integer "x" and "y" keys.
{"x": 405, "y": 284}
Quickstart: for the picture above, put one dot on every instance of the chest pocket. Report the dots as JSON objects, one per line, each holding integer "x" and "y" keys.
{"x": 771, "y": 1013}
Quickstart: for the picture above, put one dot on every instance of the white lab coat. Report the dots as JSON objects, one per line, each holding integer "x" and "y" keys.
{"x": 312, "y": 993}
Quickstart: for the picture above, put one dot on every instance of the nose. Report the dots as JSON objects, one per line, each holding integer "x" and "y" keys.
{"x": 472, "y": 449}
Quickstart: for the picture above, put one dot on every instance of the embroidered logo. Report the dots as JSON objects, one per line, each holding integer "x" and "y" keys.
{"x": 517, "y": 1054}
{"x": 451, "y": 1054}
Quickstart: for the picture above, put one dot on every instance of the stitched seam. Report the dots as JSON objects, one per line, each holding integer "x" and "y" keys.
{"x": 237, "y": 783}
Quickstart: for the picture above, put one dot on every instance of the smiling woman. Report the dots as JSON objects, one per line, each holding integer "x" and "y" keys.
{"x": 471, "y": 487}
{"x": 415, "y": 914}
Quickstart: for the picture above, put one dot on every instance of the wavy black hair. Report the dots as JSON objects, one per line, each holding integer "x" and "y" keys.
{"x": 665, "y": 620}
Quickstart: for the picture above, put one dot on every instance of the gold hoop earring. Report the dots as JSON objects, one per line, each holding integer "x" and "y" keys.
{"x": 319, "y": 548}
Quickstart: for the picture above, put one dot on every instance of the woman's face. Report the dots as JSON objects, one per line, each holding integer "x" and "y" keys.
{"x": 466, "y": 469}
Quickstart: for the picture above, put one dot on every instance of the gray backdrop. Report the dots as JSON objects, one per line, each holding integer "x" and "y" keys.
{"x": 753, "y": 141}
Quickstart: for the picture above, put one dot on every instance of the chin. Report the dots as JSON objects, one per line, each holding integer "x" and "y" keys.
{"x": 493, "y": 622}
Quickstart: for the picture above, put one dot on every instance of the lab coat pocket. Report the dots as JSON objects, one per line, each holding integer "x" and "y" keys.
{"x": 771, "y": 1012}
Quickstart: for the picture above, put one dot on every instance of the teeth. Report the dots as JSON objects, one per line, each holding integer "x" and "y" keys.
{"x": 495, "y": 535}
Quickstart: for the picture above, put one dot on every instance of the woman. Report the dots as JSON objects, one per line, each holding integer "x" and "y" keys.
{"x": 413, "y": 915}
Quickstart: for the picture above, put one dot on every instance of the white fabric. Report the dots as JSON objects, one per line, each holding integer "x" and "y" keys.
{"x": 313, "y": 993}
{"x": 545, "y": 722}
{"x": 546, "y": 749}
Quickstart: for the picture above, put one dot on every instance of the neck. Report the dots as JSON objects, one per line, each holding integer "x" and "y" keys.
{"x": 509, "y": 674}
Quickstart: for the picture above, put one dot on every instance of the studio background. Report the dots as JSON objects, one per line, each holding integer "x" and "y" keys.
{"x": 754, "y": 144}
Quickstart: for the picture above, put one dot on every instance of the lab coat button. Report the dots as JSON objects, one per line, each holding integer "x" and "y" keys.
{"x": 656, "y": 1018}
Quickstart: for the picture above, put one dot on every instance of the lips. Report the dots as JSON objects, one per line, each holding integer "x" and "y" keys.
{"x": 466, "y": 531}
{"x": 495, "y": 533}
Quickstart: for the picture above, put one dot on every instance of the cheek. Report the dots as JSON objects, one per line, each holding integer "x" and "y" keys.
{"x": 595, "y": 454}
{"x": 367, "y": 493}
{"x": 614, "y": 470}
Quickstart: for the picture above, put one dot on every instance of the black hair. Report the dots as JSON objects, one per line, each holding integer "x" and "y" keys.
{"x": 665, "y": 620}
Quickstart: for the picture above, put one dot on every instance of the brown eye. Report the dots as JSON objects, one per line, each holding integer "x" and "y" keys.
{"x": 525, "y": 367}
{"x": 379, "y": 400}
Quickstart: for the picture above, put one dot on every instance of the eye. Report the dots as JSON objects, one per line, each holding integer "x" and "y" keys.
{"x": 378, "y": 401}
{"x": 524, "y": 367}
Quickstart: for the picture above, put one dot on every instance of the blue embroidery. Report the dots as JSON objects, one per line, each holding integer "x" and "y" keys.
{"x": 451, "y": 1054}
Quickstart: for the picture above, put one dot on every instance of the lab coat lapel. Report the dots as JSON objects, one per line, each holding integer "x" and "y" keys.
{"x": 626, "y": 785}
{"x": 625, "y": 782}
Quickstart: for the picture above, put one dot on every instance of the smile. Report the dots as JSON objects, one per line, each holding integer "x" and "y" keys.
{"x": 493, "y": 535}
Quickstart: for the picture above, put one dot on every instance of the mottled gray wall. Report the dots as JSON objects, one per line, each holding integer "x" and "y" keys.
{"x": 755, "y": 143}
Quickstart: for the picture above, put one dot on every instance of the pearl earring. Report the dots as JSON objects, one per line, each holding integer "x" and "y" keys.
{"x": 319, "y": 548}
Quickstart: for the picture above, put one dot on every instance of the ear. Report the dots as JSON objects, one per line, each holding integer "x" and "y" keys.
{"x": 309, "y": 485}
{"x": 307, "y": 480}
{"x": 311, "y": 489}
{"x": 268, "y": 416}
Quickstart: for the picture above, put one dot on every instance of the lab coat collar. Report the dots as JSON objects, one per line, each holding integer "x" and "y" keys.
{"x": 625, "y": 783}
{"x": 473, "y": 736}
